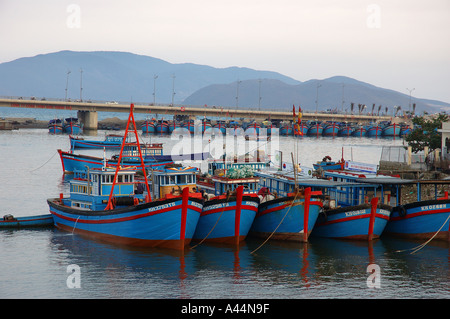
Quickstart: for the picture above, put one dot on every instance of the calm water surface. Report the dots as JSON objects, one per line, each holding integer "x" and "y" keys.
{"x": 34, "y": 263}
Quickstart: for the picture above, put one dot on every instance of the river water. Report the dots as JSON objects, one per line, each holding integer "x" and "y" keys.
{"x": 49, "y": 263}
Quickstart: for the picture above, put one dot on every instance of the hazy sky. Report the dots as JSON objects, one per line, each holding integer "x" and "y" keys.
{"x": 396, "y": 44}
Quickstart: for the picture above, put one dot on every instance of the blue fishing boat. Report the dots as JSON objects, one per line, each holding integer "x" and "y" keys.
{"x": 286, "y": 129}
{"x": 315, "y": 129}
{"x": 190, "y": 126}
{"x": 55, "y": 126}
{"x": 172, "y": 126}
{"x": 420, "y": 219}
{"x": 285, "y": 212}
{"x": 162, "y": 127}
{"x": 108, "y": 204}
{"x": 111, "y": 141}
{"x": 330, "y": 129}
{"x": 206, "y": 126}
{"x": 152, "y": 158}
{"x": 231, "y": 202}
{"x": 301, "y": 129}
{"x": 345, "y": 130}
{"x": 327, "y": 164}
{"x": 9, "y": 221}
{"x": 148, "y": 126}
{"x": 405, "y": 130}
{"x": 356, "y": 222}
{"x": 227, "y": 218}
{"x": 252, "y": 130}
{"x": 220, "y": 127}
{"x": 374, "y": 130}
{"x": 72, "y": 126}
{"x": 359, "y": 131}
{"x": 391, "y": 130}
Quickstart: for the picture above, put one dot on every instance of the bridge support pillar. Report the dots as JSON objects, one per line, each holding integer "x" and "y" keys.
{"x": 89, "y": 120}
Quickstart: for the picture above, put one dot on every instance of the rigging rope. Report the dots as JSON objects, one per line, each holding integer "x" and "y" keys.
{"x": 223, "y": 209}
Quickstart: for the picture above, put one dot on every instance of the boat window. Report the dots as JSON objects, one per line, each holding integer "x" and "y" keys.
{"x": 181, "y": 179}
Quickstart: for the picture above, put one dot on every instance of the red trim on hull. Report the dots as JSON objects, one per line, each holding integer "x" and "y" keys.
{"x": 122, "y": 219}
{"x": 352, "y": 218}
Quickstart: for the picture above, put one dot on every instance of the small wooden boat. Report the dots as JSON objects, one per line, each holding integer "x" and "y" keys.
{"x": 111, "y": 141}
{"x": 148, "y": 126}
{"x": 328, "y": 164}
{"x": 55, "y": 126}
{"x": 9, "y": 221}
{"x": 71, "y": 125}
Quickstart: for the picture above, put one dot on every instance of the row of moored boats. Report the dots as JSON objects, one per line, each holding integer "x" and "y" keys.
{"x": 156, "y": 201}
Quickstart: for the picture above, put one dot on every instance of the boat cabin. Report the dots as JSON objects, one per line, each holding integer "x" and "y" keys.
{"x": 338, "y": 193}
{"x": 171, "y": 179}
{"x": 224, "y": 185}
{"x": 388, "y": 187}
{"x": 90, "y": 190}
{"x": 217, "y": 166}
{"x": 131, "y": 152}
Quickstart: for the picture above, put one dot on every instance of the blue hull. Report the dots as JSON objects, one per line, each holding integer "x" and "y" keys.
{"x": 148, "y": 128}
{"x": 286, "y": 130}
{"x": 73, "y": 129}
{"x": 346, "y": 131}
{"x": 162, "y": 129}
{"x": 374, "y": 131}
{"x": 421, "y": 220}
{"x": 329, "y": 166}
{"x": 219, "y": 222}
{"x": 351, "y": 223}
{"x": 330, "y": 130}
{"x": 80, "y": 143}
{"x": 72, "y": 162}
{"x": 55, "y": 129}
{"x": 391, "y": 130}
{"x": 315, "y": 130}
{"x": 359, "y": 132}
{"x": 281, "y": 220}
{"x": 155, "y": 224}
{"x": 27, "y": 222}
{"x": 252, "y": 131}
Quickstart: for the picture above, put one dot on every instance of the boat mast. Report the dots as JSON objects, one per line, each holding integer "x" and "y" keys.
{"x": 125, "y": 143}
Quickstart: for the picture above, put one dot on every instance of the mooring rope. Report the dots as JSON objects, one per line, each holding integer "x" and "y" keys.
{"x": 44, "y": 163}
{"x": 417, "y": 248}
{"x": 264, "y": 242}
{"x": 217, "y": 221}
{"x": 75, "y": 225}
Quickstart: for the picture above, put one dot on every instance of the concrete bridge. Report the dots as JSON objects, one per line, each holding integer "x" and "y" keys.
{"x": 87, "y": 111}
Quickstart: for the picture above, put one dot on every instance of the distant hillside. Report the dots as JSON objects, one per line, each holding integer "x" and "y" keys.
{"x": 119, "y": 76}
{"x": 126, "y": 77}
{"x": 276, "y": 94}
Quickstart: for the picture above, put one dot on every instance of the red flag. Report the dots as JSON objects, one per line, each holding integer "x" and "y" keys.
{"x": 293, "y": 112}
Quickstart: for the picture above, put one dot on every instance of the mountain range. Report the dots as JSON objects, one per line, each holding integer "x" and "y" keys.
{"x": 128, "y": 77}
